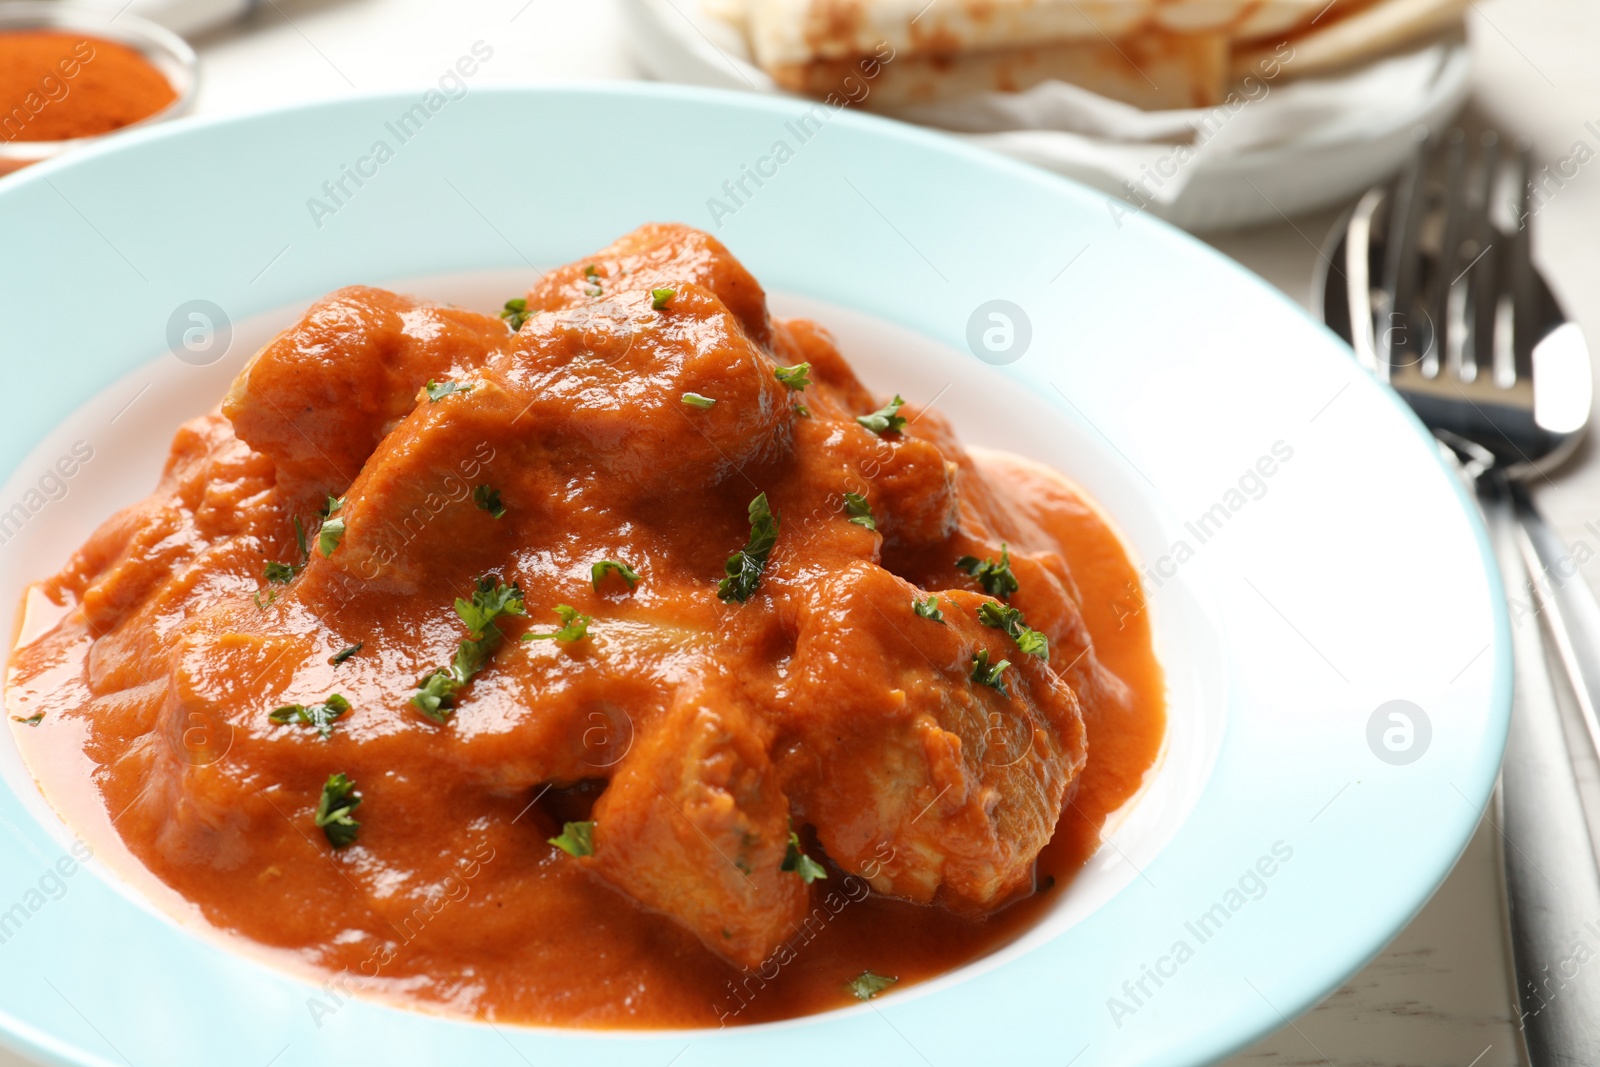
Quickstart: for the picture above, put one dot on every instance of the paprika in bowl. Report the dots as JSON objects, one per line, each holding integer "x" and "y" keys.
{"x": 71, "y": 74}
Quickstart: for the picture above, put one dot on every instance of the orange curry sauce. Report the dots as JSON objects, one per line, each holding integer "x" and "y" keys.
{"x": 634, "y": 416}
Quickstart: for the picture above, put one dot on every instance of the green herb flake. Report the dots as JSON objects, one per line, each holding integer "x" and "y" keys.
{"x": 488, "y": 499}
{"x": 744, "y": 567}
{"x": 984, "y": 674}
{"x": 598, "y": 572}
{"x": 577, "y": 839}
{"x": 278, "y": 573}
{"x": 1032, "y": 642}
{"x": 867, "y": 985}
{"x": 300, "y": 539}
{"x": 802, "y": 411}
{"x": 797, "y": 861}
{"x": 437, "y": 391}
{"x": 435, "y": 695}
{"x": 995, "y": 578}
{"x": 695, "y": 400}
{"x": 860, "y": 512}
{"x": 332, "y": 531}
{"x": 491, "y": 599}
{"x": 660, "y": 298}
{"x": 334, "y": 810}
{"x": 32, "y": 720}
{"x": 928, "y": 609}
{"x": 321, "y": 716}
{"x": 593, "y": 276}
{"x": 886, "y": 419}
{"x": 574, "y": 626}
{"x": 345, "y": 653}
{"x": 515, "y": 313}
{"x": 794, "y": 377}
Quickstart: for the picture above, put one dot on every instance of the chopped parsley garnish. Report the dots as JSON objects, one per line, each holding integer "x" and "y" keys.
{"x": 332, "y": 531}
{"x": 797, "y": 861}
{"x": 886, "y": 418}
{"x": 435, "y": 695}
{"x": 928, "y": 609}
{"x": 1034, "y": 643}
{"x": 984, "y": 674}
{"x": 437, "y": 391}
{"x": 333, "y": 810}
{"x": 802, "y": 411}
{"x": 321, "y": 715}
{"x": 860, "y": 512}
{"x": 574, "y": 626}
{"x": 515, "y": 313}
{"x": 593, "y": 288}
{"x": 490, "y": 600}
{"x": 744, "y": 567}
{"x": 488, "y": 499}
{"x": 995, "y": 578}
{"x": 794, "y": 377}
{"x": 577, "y": 839}
{"x": 283, "y": 573}
{"x": 695, "y": 400}
{"x": 32, "y": 720}
{"x": 598, "y": 572}
{"x": 345, "y": 653}
{"x": 278, "y": 572}
{"x": 660, "y": 298}
{"x": 867, "y": 985}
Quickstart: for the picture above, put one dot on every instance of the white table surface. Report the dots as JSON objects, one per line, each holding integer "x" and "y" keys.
{"x": 1440, "y": 995}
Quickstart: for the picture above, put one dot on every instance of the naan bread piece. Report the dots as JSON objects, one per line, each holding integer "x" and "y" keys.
{"x": 789, "y": 33}
{"x": 1333, "y": 45}
{"x": 1153, "y": 71}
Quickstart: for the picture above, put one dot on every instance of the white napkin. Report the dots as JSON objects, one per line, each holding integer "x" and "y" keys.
{"x": 1065, "y": 128}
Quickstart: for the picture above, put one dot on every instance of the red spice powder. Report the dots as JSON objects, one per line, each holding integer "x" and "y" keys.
{"x": 56, "y": 86}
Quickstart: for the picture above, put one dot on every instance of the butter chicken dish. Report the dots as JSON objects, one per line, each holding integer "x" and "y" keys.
{"x": 618, "y": 660}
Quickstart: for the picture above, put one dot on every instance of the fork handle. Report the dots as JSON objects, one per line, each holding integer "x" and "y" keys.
{"x": 1569, "y": 607}
{"x": 1552, "y": 881}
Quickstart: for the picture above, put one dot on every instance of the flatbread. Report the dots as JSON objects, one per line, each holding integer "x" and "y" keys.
{"x": 1335, "y": 45}
{"x": 1153, "y": 54}
{"x": 1154, "y": 71}
{"x": 790, "y": 33}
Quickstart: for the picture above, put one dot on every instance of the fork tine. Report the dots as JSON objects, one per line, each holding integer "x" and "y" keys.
{"x": 1483, "y": 289}
{"x": 1402, "y": 266}
{"x": 1449, "y": 247}
{"x": 1524, "y": 301}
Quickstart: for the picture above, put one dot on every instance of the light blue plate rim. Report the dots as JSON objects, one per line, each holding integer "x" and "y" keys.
{"x": 1008, "y": 1004}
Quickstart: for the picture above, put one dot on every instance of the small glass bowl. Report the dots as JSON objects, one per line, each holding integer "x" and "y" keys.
{"x": 169, "y": 53}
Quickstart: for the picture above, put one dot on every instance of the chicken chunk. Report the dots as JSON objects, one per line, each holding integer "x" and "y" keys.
{"x": 322, "y": 394}
{"x": 890, "y": 741}
{"x": 695, "y": 826}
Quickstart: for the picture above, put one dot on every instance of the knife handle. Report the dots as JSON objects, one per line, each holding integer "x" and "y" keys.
{"x": 1552, "y": 881}
{"x": 1569, "y": 608}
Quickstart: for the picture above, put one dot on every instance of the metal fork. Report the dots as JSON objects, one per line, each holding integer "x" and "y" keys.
{"x": 1446, "y": 306}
